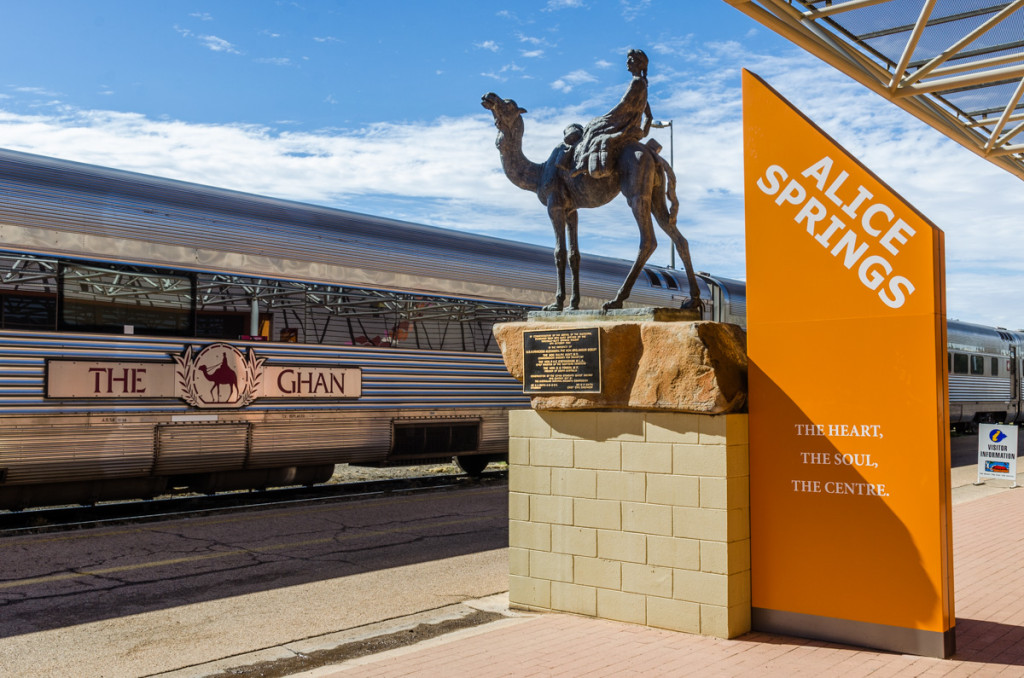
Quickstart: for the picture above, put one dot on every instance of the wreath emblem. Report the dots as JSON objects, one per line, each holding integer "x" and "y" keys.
{"x": 218, "y": 376}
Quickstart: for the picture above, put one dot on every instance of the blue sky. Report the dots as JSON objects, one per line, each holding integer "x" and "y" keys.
{"x": 375, "y": 108}
{"x": 321, "y": 65}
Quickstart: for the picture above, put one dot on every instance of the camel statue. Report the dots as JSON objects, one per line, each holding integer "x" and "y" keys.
{"x": 643, "y": 177}
{"x": 223, "y": 375}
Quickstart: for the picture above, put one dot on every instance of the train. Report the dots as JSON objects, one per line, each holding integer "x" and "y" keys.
{"x": 159, "y": 336}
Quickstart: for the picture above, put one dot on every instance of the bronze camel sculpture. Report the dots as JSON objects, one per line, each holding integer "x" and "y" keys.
{"x": 643, "y": 177}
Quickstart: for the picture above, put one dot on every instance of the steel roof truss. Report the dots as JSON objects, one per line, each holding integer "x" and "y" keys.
{"x": 957, "y": 47}
{"x": 908, "y": 50}
{"x": 829, "y": 10}
{"x": 997, "y": 130}
{"x": 936, "y": 87}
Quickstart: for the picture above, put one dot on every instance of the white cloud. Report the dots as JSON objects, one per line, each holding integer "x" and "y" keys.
{"x": 446, "y": 172}
{"x": 37, "y": 91}
{"x": 531, "y": 40}
{"x": 501, "y": 74}
{"x": 489, "y": 45}
{"x": 216, "y": 44}
{"x": 202, "y": 16}
{"x": 567, "y": 82}
{"x": 532, "y": 54}
{"x": 554, "y": 5}
{"x": 632, "y": 9}
{"x": 211, "y": 42}
{"x": 275, "y": 61}
{"x": 677, "y": 46}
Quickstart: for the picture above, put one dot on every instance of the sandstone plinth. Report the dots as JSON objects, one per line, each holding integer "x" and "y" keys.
{"x": 698, "y": 367}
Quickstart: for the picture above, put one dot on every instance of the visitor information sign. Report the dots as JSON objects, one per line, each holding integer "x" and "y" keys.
{"x": 997, "y": 452}
{"x": 849, "y": 422}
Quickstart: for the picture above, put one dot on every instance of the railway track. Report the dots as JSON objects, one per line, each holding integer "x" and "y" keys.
{"x": 64, "y": 518}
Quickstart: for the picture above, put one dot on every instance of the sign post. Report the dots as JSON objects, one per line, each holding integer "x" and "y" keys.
{"x": 849, "y": 422}
{"x": 997, "y": 453}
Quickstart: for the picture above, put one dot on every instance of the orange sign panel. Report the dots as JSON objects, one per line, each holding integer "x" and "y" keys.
{"x": 849, "y": 431}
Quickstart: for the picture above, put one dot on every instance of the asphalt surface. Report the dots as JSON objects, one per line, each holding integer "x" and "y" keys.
{"x": 174, "y": 596}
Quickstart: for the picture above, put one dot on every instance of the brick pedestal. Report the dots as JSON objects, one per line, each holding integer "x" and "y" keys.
{"x": 640, "y": 517}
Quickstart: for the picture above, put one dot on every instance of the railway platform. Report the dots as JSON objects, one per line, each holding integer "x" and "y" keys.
{"x": 988, "y": 530}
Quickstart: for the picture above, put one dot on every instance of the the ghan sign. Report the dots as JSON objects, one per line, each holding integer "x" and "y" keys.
{"x": 218, "y": 376}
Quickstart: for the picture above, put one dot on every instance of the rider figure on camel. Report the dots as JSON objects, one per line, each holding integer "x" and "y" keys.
{"x": 629, "y": 120}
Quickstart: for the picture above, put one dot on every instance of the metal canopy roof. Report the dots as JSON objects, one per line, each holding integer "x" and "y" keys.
{"x": 958, "y": 65}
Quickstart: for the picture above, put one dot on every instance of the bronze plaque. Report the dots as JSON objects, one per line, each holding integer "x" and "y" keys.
{"x": 562, "y": 361}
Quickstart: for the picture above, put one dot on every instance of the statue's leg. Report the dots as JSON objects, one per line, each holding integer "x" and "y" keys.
{"x": 557, "y": 215}
{"x": 572, "y": 220}
{"x": 637, "y": 174}
{"x": 668, "y": 225}
{"x": 663, "y": 194}
{"x": 642, "y": 213}
{"x": 636, "y": 180}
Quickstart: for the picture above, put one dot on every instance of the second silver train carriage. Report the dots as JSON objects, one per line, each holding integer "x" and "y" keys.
{"x": 123, "y": 297}
{"x": 985, "y": 368}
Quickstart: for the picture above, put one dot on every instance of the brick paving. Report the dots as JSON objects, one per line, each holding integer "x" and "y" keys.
{"x": 988, "y": 535}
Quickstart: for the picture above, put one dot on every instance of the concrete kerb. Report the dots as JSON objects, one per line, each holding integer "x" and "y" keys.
{"x": 496, "y": 604}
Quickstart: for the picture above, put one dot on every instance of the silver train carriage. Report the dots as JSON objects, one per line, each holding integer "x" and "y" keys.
{"x": 986, "y": 364}
{"x": 985, "y": 367}
{"x": 159, "y": 335}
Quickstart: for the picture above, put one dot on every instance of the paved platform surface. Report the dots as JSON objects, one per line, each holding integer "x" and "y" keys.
{"x": 195, "y": 596}
{"x": 988, "y": 533}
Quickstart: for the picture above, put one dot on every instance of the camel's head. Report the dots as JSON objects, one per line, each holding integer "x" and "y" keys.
{"x": 506, "y": 112}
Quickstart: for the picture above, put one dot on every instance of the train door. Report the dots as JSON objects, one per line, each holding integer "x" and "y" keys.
{"x": 1017, "y": 363}
{"x": 1014, "y": 365}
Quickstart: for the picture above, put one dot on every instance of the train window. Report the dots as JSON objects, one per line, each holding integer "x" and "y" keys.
{"x": 28, "y": 311}
{"x": 328, "y": 314}
{"x": 120, "y": 299}
{"x": 653, "y": 277}
{"x": 28, "y": 296}
{"x": 977, "y": 364}
{"x": 50, "y": 294}
{"x": 222, "y": 325}
{"x": 995, "y": 367}
{"x": 960, "y": 363}
{"x": 670, "y": 280}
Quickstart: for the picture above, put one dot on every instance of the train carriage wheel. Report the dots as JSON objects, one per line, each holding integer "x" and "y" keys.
{"x": 471, "y": 464}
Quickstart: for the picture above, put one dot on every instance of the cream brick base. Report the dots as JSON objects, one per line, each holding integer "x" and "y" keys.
{"x": 641, "y": 517}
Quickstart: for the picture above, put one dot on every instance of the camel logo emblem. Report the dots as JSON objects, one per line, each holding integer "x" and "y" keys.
{"x": 218, "y": 376}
